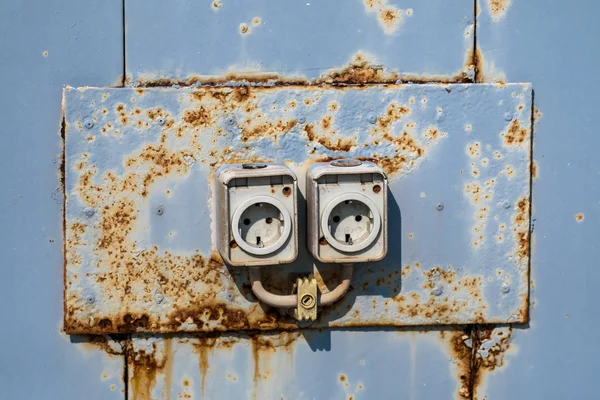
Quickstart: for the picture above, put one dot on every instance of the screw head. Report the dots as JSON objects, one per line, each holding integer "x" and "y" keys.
{"x": 437, "y": 291}
{"x": 230, "y": 120}
{"x": 508, "y": 116}
{"x": 307, "y": 300}
{"x": 159, "y": 298}
{"x": 89, "y": 212}
{"x": 160, "y": 210}
{"x": 505, "y": 289}
{"x": 90, "y": 299}
{"x": 371, "y": 118}
{"x": 88, "y": 123}
{"x": 439, "y": 206}
{"x": 301, "y": 120}
{"x": 506, "y": 204}
{"x": 161, "y": 121}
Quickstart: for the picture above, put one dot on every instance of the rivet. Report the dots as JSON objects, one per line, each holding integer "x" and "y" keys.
{"x": 437, "y": 291}
{"x": 90, "y": 299}
{"x": 89, "y": 212}
{"x": 230, "y": 120}
{"x": 371, "y": 118}
{"x": 508, "y": 116}
{"x": 161, "y": 121}
{"x": 160, "y": 210}
{"x": 505, "y": 289}
{"x": 88, "y": 123}
{"x": 159, "y": 298}
{"x": 506, "y": 204}
{"x": 301, "y": 120}
{"x": 439, "y": 206}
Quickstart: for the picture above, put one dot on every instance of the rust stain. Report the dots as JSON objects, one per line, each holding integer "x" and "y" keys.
{"x": 145, "y": 364}
{"x": 264, "y": 346}
{"x": 256, "y": 21}
{"x": 361, "y": 70}
{"x": 515, "y": 134}
{"x": 476, "y": 351}
{"x": 244, "y": 28}
{"x": 388, "y": 16}
{"x": 498, "y": 8}
{"x": 579, "y": 217}
{"x": 521, "y": 228}
{"x": 216, "y": 4}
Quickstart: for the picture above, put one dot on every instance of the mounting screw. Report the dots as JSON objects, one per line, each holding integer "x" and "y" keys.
{"x": 307, "y": 300}
{"x": 437, "y": 291}
{"x": 89, "y": 212}
{"x": 159, "y": 298}
{"x": 505, "y": 289}
{"x": 301, "y": 120}
{"x": 88, "y": 123}
{"x": 371, "y": 118}
{"x": 508, "y": 116}
{"x": 160, "y": 210}
{"x": 439, "y": 206}
{"x": 230, "y": 120}
{"x": 506, "y": 204}
{"x": 161, "y": 121}
{"x": 90, "y": 299}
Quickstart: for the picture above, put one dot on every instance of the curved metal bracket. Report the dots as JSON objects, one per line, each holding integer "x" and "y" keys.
{"x": 291, "y": 300}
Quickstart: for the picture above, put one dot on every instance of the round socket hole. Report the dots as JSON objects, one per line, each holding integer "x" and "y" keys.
{"x": 358, "y": 218}
{"x": 286, "y": 191}
{"x": 336, "y": 219}
{"x": 262, "y": 225}
{"x": 351, "y": 223}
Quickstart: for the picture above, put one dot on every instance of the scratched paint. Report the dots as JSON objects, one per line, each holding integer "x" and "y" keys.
{"x": 139, "y": 172}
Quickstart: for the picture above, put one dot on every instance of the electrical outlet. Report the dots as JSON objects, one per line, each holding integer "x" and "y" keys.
{"x": 257, "y": 214}
{"x": 347, "y": 211}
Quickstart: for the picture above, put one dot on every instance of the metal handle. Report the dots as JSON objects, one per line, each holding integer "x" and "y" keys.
{"x": 290, "y": 300}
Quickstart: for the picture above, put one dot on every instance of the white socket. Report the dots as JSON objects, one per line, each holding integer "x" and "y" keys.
{"x": 347, "y": 211}
{"x": 257, "y": 214}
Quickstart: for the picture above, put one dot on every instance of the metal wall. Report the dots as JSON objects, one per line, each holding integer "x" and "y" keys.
{"x": 45, "y": 46}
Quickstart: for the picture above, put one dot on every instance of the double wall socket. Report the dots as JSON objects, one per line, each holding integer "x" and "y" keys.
{"x": 347, "y": 211}
{"x": 257, "y": 214}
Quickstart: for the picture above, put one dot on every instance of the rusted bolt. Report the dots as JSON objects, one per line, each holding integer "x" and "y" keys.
{"x": 506, "y": 204}
{"x": 161, "y": 121}
{"x": 286, "y": 191}
{"x": 377, "y": 188}
{"x": 160, "y": 210}
{"x": 505, "y": 289}
{"x": 233, "y": 244}
{"x": 439, "y": 206}
{"x": 159, "y": 298}
{"x": 89, "y": 212}
{"x": 437, "y": 291}
{"x": 88, "y": 123}
{"x": 307, "y": 300}
{"x": 371, "y": 118}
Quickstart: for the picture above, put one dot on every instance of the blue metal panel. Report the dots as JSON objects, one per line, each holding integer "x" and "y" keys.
{"x": 129, "y": 151}
{"x": 297, "y": 39}
{"x": 370, "y": 364}
{"x": 551, "y": 43}
{"x": 44, "y": 45}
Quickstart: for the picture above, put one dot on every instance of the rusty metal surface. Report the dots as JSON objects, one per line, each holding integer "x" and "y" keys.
{"x": 139, "y": 248}
{"x": 309, "y": 364}
{"x": 229, "y": 39}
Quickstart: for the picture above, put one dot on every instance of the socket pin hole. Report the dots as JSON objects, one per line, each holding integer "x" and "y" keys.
{"x": 357, "y": 218}
{"x": 336, "y": 219}
{"x": 246, "y": 221}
